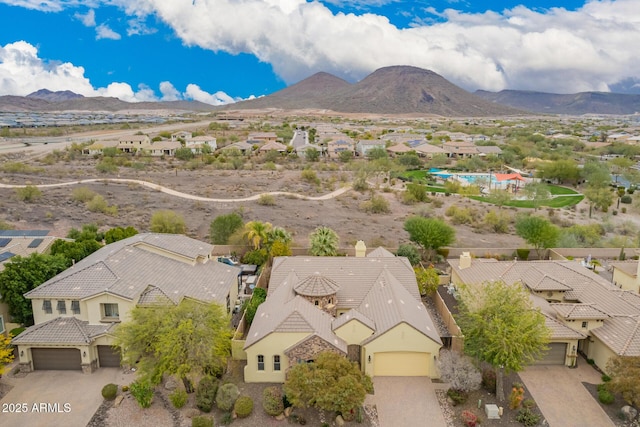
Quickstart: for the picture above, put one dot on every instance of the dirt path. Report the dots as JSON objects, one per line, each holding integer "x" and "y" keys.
{"x": 175, "y": 193}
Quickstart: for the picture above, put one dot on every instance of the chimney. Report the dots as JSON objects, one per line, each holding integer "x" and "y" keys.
{"x": 465, "y": 260}
{"x": 361, "y": 249}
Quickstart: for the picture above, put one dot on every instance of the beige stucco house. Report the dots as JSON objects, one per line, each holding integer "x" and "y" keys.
{"x": 366, "y": 308}
{"x": 134, "y": 143}
{"x": 583, "y": 310}
{"x": 625, "y": 275}
{"x": 76, "y": 311}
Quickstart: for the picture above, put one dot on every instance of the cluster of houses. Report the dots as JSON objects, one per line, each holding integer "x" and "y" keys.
{"x": 366, "y": 307}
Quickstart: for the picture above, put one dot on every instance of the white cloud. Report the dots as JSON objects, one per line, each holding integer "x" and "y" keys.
{"x": 551, "y": 50}
{"x": 138, "y": 27}
{"x": 104, "y": 32}
{"x": 23, "y": 72}
{"x": 88, "y": 19}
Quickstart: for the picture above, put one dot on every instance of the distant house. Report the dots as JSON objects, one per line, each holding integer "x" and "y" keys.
{"x": 365, "y": 308}
{"x": 460, "y": 149}
{"x": 428, "y": 150}
{"x": 485, "y": 150}
{"x": 363, "y": 147}
{"x": 301, "y": 150}
{"x": 336, "y": 146}
{"x": 134, "y": 143}
{"x": 397, "y": 149}
{"x": 243, "y": 146}
{"x": 182, "y": 135}
{"x": 76, "y": 312}
{"x": 20, "y": 243}
{"x": 262, "y": 137}
{"x": 273, "y": 146}
{"x": 164, "y": 148}
{"x": 197, "y": 143}
{"x": 625, "y": 275}
{"x": 98, "y": 147}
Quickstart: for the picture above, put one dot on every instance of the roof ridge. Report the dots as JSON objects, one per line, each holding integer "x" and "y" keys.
{"x": 80, "y": 328}
{"x": 635, "y": 331}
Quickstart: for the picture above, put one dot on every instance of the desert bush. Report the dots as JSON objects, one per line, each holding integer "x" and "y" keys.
{"x": 272, "y": 400}
{"x": 377, "y": 204}
{"x": 469, "y": 418}
{"x": 309, "y": 175}
{"x": 418, "y": 192}
{"x": 527, "y": 417}
{"x": 29, "y": 193}
{"x": 206, "y": 393}
{"x": 626, "y": 199}
{"x": 529, "y": 403}
{"x": 523, "y": 254}
{"x": 202, "y": 421}
{"x": 107, "y": 165}
{"x": 178, "y": 398}
{"x": 99, "y": 204}
{"x": 110, "y": 391}
{"x": 411, "y": 252}
{"x": 227, "y": 396}
{"x": 257, "y": 257}
{"x": 243, "y": 406}
{"x": 459, "y": 370}
{"x": 489, "y": 379}
{"x": 497, "y": 221}
{"x": 82, "y": 194}
{"x": 605, "y": 396}
{"x": 360, "y": 184}
{"x": 142, "y": 391}
{"x": 457, "y": 396}
{"x": 266, "y": 200}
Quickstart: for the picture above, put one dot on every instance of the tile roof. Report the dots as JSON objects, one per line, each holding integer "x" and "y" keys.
{"x": 23, "y": 244}
{"x": 628, "y": 267}
{"x": 380, "y": 292}
{"x": 128, "y": 267}
{"x": 380, "y": 252}
{"x": 594, "y": 296}
{"x": 62, "y": 330}
{"x": 316, "y": 285}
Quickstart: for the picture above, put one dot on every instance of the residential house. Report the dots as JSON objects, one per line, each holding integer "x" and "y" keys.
{"x": 485, "y": 150}
{"x": 22, "y": 243}
{"x": 97, "y": 147}
{"x": 584, "y": 311}
{"x": 273, "y": 146}
{"x": 399, "y": 149}
{"x": 134, "y": 143}
{"x": 198, "y": 143}
{"x": 262, "y": 137}
{"x": 243, "y": 146}
{"x": 365, "y": 308}
{"x": 427, "y": 150}
{"x": 625, "y": 275}
{"x": 364, "y": 146}
{"x": 164, "y": 148}
{"x": 460, "y": 149}
{"x": 336, "y": 146}
{"x": 76, "y": 312}
{"x": 182, "y": 135}
{"x": 301, "y": 150}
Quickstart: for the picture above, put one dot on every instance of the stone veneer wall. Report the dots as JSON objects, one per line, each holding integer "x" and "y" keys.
{"x": 309, "y": 349}
{"x": 323, "y": 302}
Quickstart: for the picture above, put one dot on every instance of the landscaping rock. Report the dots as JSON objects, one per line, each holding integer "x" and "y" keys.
{"x": 118, "y": 401}
{"x": 339, "y": 420}
{"x": 287, "y": 411}
{"x": 630, "y": 413}
{"x": 170, "y": 384}
{"x": 280, "y": 417}
{"x": 191, "y": 412}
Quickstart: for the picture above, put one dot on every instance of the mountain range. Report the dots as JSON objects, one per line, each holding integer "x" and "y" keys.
{"x": 389, "y": 90}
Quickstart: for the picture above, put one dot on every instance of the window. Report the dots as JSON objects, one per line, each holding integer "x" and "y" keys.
{"x": 46, "y": 306}
{"x": 75, "y": 307}
{"x": 584, "y": 325}
{"x": 110, "y": 312}
{"x": 260, "y": 362}
{"x": 62, "y": 307}
{"x": 276, "y": 363}
{"x": 1, "y": 324}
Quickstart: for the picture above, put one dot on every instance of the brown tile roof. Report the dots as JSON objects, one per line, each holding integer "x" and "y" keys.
{"x": 62, "y": 330}
{"x": 579, "y": 311}
{"x": 353, "y": 314}
{"x": 628, "y": 267}
{"x": 379, "y": 252}
{"x": 560, "y": 331}
{"x": 316, "y": 285}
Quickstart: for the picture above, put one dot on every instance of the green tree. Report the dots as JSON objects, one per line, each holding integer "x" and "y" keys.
{"x": 330, "y": 383}
{"x": 312, "y": 154}
{"x": 256, "y": 233}
{"x": 411, "y": 252}
{"x": 537, "y": 192}
{"x": 22, "y": 274}
{"x": 6, "y": 351}
{"x": 499, "y": 197}
{"x": 74, "y": 251}
{"x": 377, "y": 153}
{"x": 278, "y": 242}
{"x": 561, "y": 171}
{"x": 324, "y": 242}
{"x": 189, "y": 340}
{"x": 119, "y": 233}
{"x": 625, "y": 372}
{"x": 223, "y": 227}
{"x": 538, "y": 232}
{"x": 166, "y": 221}
{"x": 501, "y": 327}
{"x": 184, "y": 154}
{"x": 598, "y": 197}
{"x": 429, "y": 233}
{"x": 428, "y": 280}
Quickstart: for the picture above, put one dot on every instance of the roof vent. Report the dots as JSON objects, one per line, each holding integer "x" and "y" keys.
{"x": 361, "y": 249}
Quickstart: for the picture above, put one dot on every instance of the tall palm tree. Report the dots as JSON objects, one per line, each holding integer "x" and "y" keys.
{"x": 324, "y": 242}
{"x": 278, "y": 234}
{"x": 256, "y": 232}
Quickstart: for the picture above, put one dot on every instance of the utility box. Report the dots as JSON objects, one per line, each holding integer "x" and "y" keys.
{"x": 492, "y": 411}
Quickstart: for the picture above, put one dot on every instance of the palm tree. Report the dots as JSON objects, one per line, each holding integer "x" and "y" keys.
{"x": 256, "y": 232}
{"x": 278, "y": 234}
{"x": 324, "y": 242}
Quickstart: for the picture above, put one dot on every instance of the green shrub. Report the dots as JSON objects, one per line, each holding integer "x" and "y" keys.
{"x": 411, "y": 252}
{"x": 527, "y": 417}
{"x": 206, "y": 393}
{"x": 523, "y": 254}
{"x": 82, "y": 194}
{"x": 266, "y": 200}
{"x": 202, "y": 421}
{"x": 457, "y": 396}
{"x": 17, "y": 331}
{"x": 529, "y": 403}
{"x": 125, "y": 388}
{"x": 605, "y": 396}
{"x": 257, "y": 257}
{"x": 142, "y": 391}
{"x": 272, "y": 400}
{"x": 110, "y": 391}
{"x": 178, "y": 398}
{"x": 227, "y": 396}
{"x": 243, "y": 406}
{"x": 605, "y": 378}
{"x": 28, "y": 194}
{"x": 377, "y": 204}
{"x": 626, "y": 199}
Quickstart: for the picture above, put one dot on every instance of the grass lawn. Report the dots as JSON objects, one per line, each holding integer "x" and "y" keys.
{"x": 557, "y": 190}
{"x": 556, "y": 202}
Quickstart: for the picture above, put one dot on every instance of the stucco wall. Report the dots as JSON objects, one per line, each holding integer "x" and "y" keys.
{"x": 271, "y": 345}
{"x": 39, "y": 315}
{"x": 623, "y": 280}
{"x": 353, "y": 332}
{"x": 600, "y": 353}
{"x": 94, "y": 310}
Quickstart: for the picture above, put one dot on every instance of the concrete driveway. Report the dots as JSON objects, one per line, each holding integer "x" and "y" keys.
{"x": 56, "y": 398}
{"x": 562, "y": 398}
{"x": 406, "y": 402}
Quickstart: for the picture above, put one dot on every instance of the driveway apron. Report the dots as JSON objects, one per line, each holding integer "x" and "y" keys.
{"x": 406, "y": 402}
{"x": 562, "y": 398}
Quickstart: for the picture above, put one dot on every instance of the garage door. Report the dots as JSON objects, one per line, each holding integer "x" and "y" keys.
{"x": 66, "y": 359}
{"x": 401, "y": 364}
{"x": 108, "y": 356}
{"x": 555, "y": 355}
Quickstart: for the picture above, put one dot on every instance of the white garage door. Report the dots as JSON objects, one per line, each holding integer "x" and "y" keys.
{"x": 401, "y": 364}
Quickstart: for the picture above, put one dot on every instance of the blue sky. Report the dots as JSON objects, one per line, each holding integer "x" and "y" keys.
{"x": 219, "y": 51}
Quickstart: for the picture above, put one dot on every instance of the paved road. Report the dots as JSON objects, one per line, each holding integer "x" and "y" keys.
{"x": 406, "y": 402}
{"x": 56, "y": 398}
{"x": 562, "y": 398}
{"x": 167, "y": 190}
